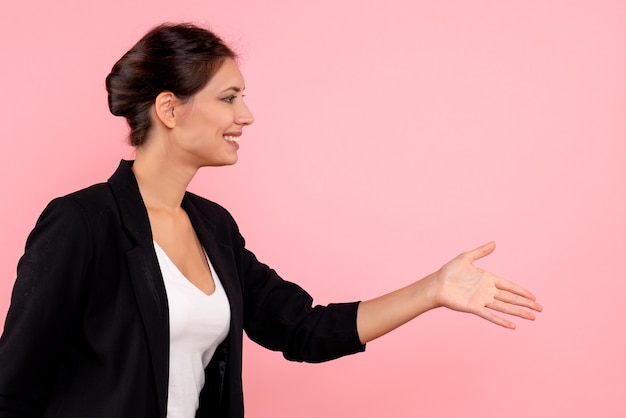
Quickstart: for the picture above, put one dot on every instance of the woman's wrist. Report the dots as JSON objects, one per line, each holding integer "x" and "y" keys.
{"x": 427, "y": 292}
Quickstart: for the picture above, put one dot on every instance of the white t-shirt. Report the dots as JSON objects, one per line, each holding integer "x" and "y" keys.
{"x": 198, "y": 324}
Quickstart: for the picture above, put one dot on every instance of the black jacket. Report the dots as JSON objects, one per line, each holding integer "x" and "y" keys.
{"x": 87, "y": 333}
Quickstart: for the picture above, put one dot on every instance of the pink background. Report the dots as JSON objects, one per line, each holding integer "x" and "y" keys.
{"x": 389, "y": 137}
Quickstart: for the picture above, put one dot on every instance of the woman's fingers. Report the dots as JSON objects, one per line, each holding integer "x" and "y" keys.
{"x": 516, "y": 299}
{"x": 510, "y": 299}
{"x": 507, "y": 285}
{"x": 513, "y": 293}
{"x": 482, "y": 251}
{"x": 492, "y": 317}
{"x": 510, "y": 309}
{"x": 506, "y": 308}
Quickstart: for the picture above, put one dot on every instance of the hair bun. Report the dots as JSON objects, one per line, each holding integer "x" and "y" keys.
{"x": 117, "y": 95}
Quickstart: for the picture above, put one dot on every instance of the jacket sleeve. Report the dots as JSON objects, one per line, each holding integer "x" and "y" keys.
{"x": 279, "y": 315}
{"x": 45, "y": 308}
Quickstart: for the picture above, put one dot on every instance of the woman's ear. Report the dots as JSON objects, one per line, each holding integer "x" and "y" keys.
{"x": 165, "y": 108}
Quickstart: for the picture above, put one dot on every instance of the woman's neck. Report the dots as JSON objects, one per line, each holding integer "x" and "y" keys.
{"x": 162, "y": 181}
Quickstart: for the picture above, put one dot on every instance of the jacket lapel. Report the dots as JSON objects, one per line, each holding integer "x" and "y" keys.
{"x": 223, "y": 259}
{"x": 145, "y": 275}
{"x": 221, "y": 256}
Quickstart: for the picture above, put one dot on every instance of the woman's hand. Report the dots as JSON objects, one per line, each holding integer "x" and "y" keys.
{"x": 461, "y": 286}
{"x": 458, "y": 285}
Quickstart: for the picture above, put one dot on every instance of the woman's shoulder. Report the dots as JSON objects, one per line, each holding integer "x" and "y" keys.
{"x": 92, "y": 198}
{"x": 81, "y": 207}
{"x": 73, "y": 216}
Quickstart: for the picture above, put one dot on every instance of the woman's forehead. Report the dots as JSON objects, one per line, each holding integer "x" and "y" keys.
{"x": 227, "y": 77}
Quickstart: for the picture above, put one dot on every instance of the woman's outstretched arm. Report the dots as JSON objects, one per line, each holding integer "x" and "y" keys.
{"x": 458, "y": 285}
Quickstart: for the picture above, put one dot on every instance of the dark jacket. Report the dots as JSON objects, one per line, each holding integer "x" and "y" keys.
{"x": 87, "y": 333}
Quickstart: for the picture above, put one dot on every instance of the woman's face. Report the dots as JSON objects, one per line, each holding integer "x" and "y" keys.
{"x": 210, "y": 124}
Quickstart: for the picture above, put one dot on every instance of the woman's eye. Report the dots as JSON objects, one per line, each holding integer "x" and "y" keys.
{"x": 229, "y": 99}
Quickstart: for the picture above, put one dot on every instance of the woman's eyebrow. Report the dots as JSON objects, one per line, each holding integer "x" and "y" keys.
{"x": 233, "y": 88}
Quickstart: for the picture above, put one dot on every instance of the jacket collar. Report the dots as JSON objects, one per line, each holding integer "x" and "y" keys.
{"x": 132, "y": 209}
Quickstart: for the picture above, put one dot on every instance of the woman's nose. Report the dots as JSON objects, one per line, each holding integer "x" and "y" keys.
{"x": 244, "y": 117}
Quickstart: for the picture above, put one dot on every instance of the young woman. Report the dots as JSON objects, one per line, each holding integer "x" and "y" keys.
{"x": 132, "y": 295}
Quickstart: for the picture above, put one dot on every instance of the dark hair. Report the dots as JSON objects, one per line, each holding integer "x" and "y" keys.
{"x": 180, "y": 58}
